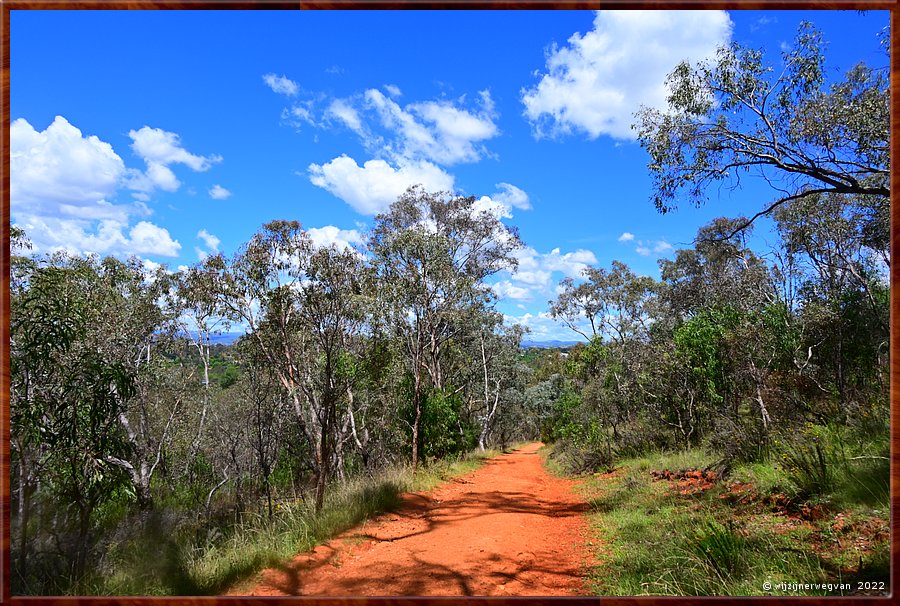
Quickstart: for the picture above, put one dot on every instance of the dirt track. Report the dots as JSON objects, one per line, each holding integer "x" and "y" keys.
{"x": 508, "y": 528}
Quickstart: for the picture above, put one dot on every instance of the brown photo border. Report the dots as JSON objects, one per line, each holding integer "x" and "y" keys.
{"x": 5, "y": 219}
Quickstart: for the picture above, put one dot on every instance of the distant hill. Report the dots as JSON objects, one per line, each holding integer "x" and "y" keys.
{"x": 225, "y": 338}
{"x": 552, "y": 344}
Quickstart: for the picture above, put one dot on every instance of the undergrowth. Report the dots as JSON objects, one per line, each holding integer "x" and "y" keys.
{"x": 763, "y": 524}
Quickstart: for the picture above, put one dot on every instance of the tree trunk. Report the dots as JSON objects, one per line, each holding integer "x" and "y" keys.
{"x": 324, "y": 453}
{"x": 417, "y": 397}
{"x": 24, "y": 513}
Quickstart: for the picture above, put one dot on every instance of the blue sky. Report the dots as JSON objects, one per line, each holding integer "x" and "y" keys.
{"x": 173, "y": 134}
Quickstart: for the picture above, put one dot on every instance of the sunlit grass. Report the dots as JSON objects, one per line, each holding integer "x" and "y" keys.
{"x": 654, "y": 541}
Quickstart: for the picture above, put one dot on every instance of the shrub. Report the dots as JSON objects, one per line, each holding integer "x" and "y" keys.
{"x": 810, "y": 461}
{"x": 720, "y": 546}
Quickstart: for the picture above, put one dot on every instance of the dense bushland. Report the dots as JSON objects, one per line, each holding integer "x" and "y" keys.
{"x": 130, "y": 427}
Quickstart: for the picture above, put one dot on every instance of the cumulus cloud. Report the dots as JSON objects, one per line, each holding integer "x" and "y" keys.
{"x": 645, "y": 248}
{"x": 372, "y": 187}
{"x": 500, "y": 204}
{"x": 538, "y": 274}
{"x": 211, "y": 241}
{"x": 50, "y": 234}
{"x": 59, "y": 166}
{"x": 61, "y": 183}
{"x": 393, "y": 90}
{"x": 507, "y": 290}
{"x": 626, "y": 237}
{"x": 597, "y": 81}
{"x": 212, "y": 244}
{"x": 542, "y": 327}
{"x": 217, "y": 192}
{"x": 330, "y": 235}
{"x": 512, "y": 196}
{"x": 281, "y": 85}
{"x": 159, "y": 149}
{"x": 147, "y": 238}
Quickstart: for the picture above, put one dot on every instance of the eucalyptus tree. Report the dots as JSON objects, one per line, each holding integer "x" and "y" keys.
{"x": 257, "y": 288}
{"x": 431, "y": 253}
{"x": 618, "y": 304}
{"x": 720, "y": 270}
{"x": 843, "y": 307}
{"x": 332, "y": 305}
{"x": 198, "y": 316}
{"x": 502, "y": 374}
{"x": 303, "y": 307}
{"x": 72, "y": 378}
{"x": 741, "y": 113}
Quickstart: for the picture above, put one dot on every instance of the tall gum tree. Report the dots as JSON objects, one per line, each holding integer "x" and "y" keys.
{"x": 432, "y": 252}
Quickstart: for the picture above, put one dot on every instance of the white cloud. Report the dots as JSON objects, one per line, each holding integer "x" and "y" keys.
{"x": 596, "y": 82}
{"x": 372, "y": 187}
{"x": 50, "y": 234}
{"x": 507, "y": 290}
{"x": 150, "y": 268}
{"x": 211, "y": 241}
{"x": 538, "y": 274}
{"x": 436, "y": 131}
{"x": 161, "y": 176}
{"x": 393, "y": 90}
{"x": 493, "y": 207}
{"x": 158, "y": 149}
{"x": 512, "y": 196}
{"x": 330, "y": 235}
{"x": 645, "y": 248}
{"x": 570, "y": 264}
{"x": 542, "y": 327}
{"x": 156, "y": 146}
{"x": 150, "y": 239}
{"x": 60, "y": 182}
{"x": 217, "y": 192}
{"x": 345, "y": 113}
{"x": 281, "y": 84}
{"x": 59, "y": 166}
{"x": 501, "y": 203}
{"x": 298, "y": 114}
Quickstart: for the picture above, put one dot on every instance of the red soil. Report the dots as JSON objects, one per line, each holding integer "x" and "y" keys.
{"x": 507, "y": 529}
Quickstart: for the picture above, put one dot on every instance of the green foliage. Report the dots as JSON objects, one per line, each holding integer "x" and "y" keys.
{"x": 702, "y": 342}
{"x": 657, "y": 542}
{"x": 720, "y": 546}
{"x": 810, "y": 462}
{"x": 562, "y": 422}
{"x": 442, "y": 432}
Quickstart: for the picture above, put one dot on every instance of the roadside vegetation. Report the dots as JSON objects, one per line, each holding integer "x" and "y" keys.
{"x": 734, "y": 416}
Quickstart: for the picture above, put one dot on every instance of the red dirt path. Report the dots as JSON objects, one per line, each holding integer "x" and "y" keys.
{"x": 508, "y": 529}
